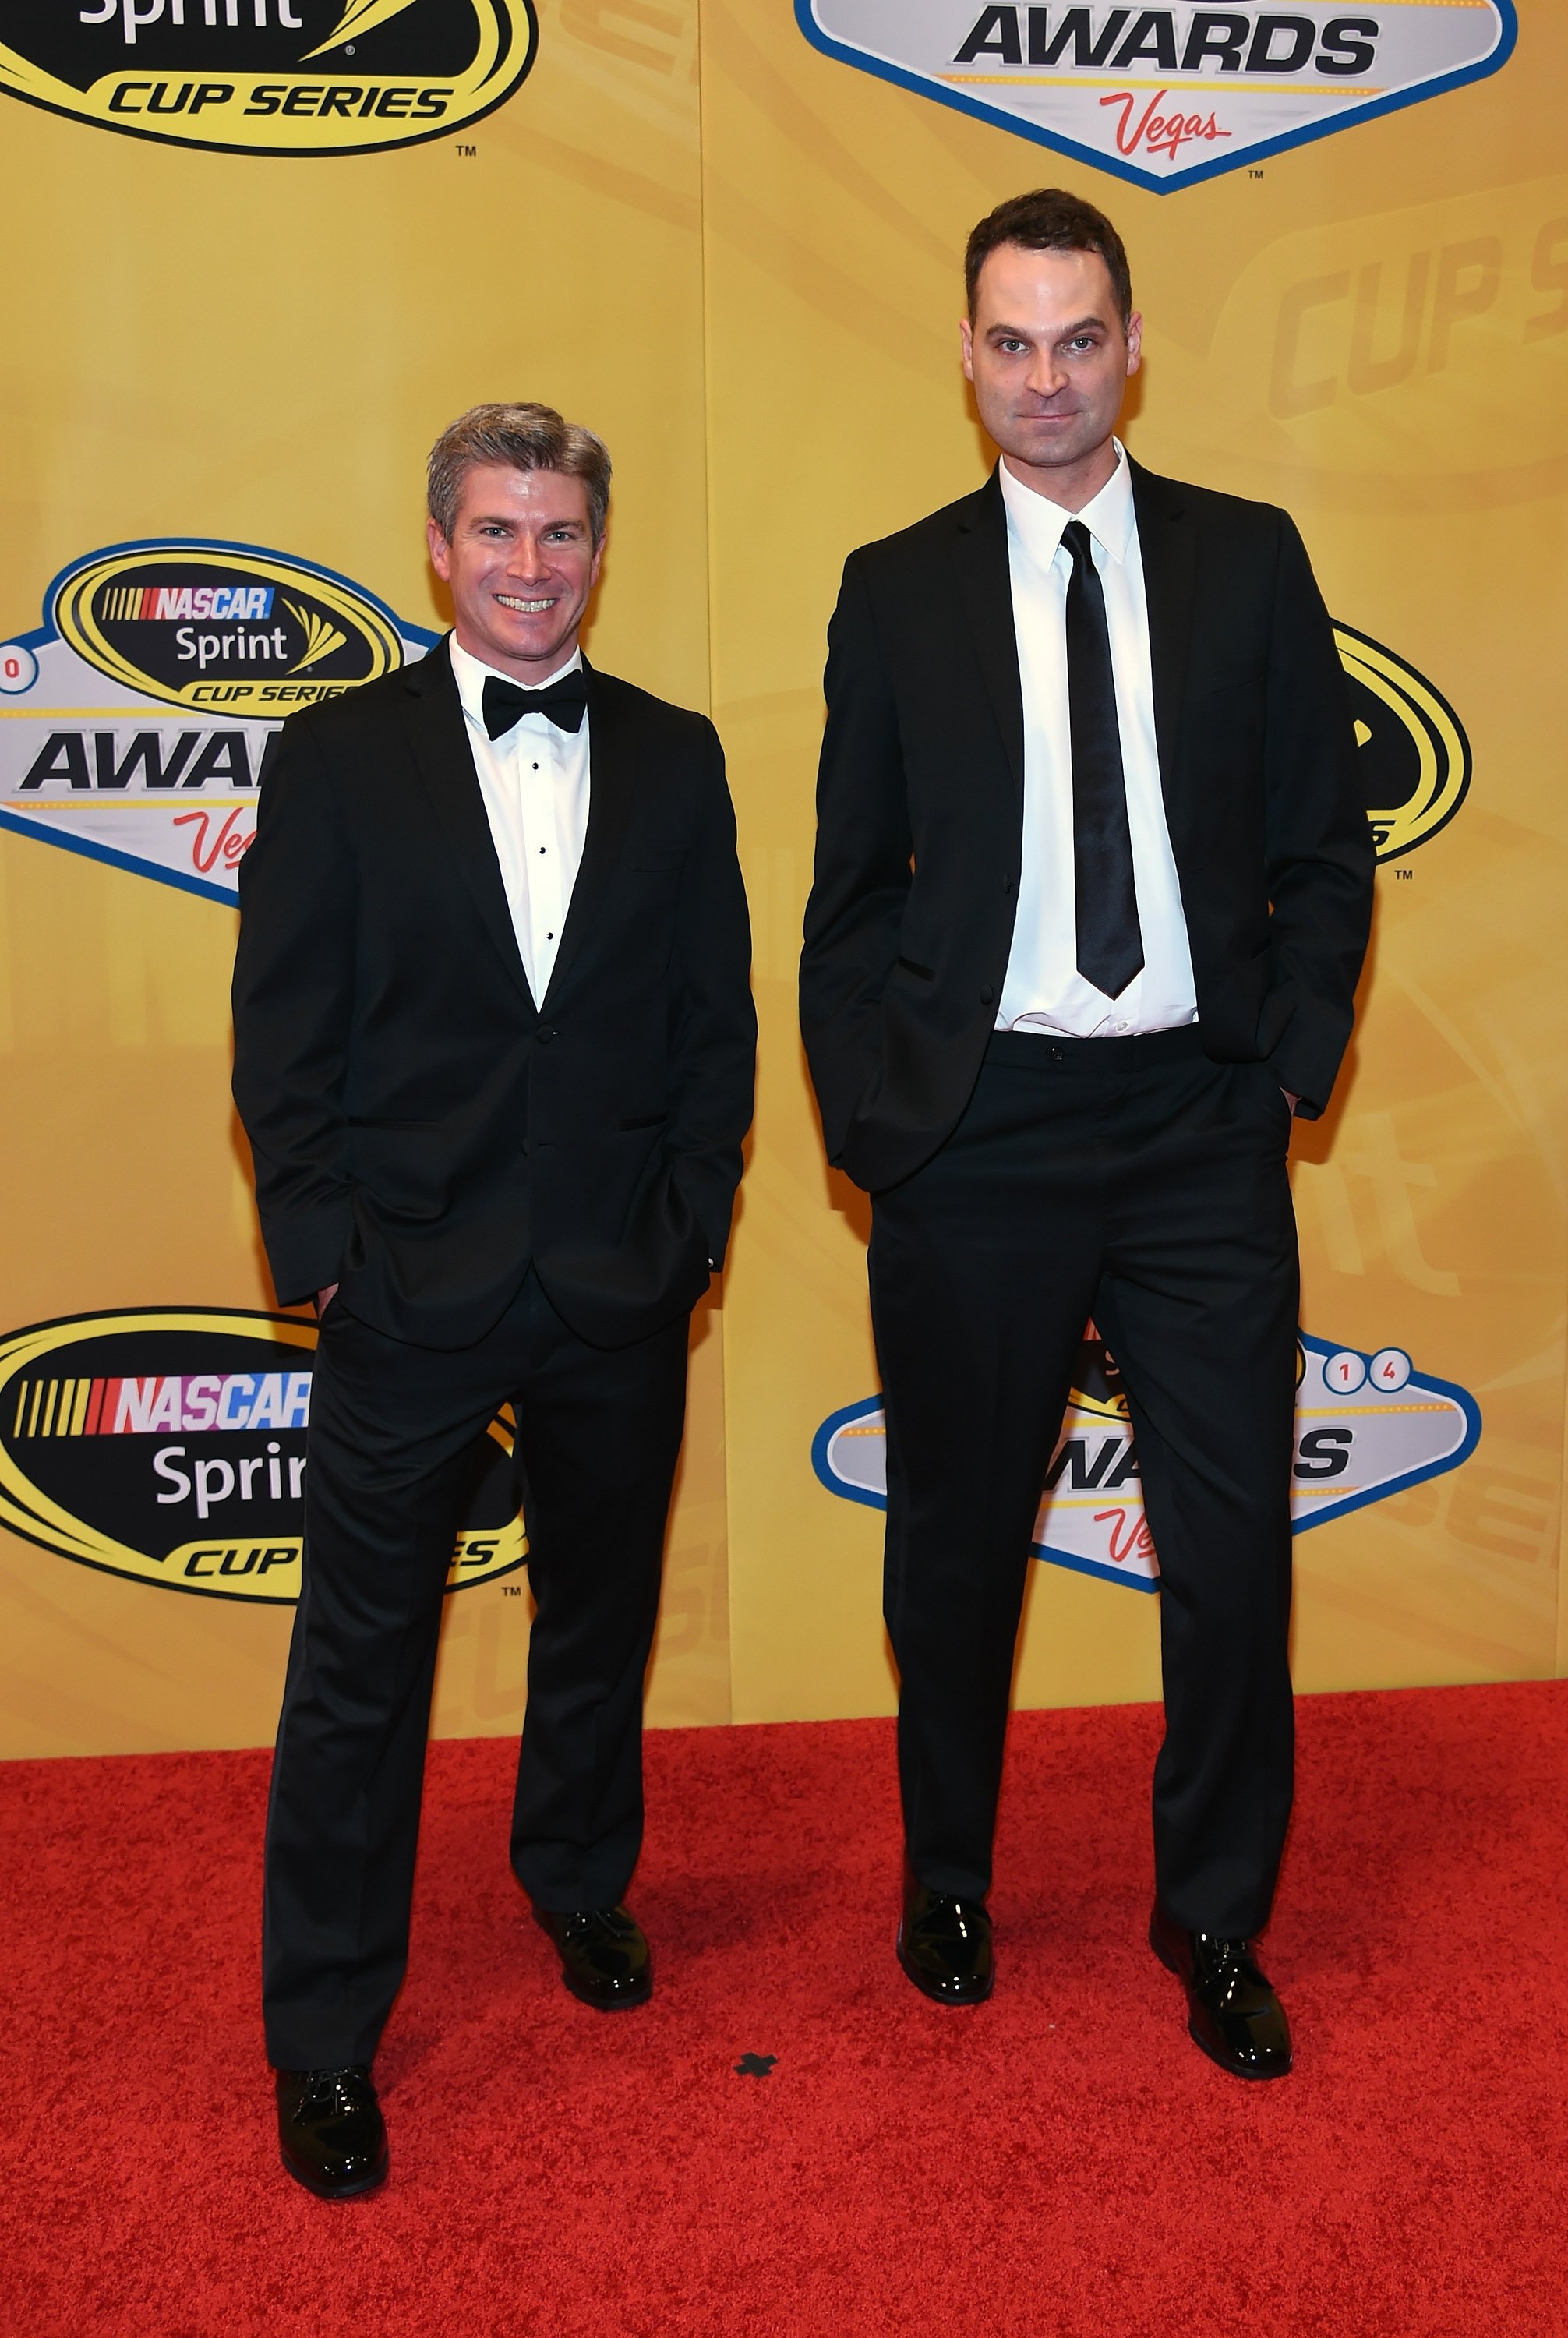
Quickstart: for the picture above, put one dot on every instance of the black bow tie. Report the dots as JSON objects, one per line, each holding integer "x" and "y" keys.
{"x": 564, "y": 701}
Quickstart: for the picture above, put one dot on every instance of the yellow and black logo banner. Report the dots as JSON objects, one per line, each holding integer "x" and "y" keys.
{"x": 1415, "y": 755}
{"x": 270, "y": 76}
{"x": 168, "y": 1444}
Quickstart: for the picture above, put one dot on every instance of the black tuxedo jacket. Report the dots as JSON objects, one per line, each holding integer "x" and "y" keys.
{"x": 920, "y": 808}
{"x": 421, "y": 1129}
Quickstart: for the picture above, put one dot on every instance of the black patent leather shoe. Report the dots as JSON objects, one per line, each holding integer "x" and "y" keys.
{"x": 945, "y": 1946}
{"x": 1232, "y": 2011}
{"x": 604, "y": 1957}
{"x": 330, "y": 2131}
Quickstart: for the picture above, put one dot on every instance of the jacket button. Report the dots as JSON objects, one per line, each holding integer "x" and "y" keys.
{"x": 544, "y": 1036}
{"x": 987, "y": 996}
{"x": 1058, "y": 1056}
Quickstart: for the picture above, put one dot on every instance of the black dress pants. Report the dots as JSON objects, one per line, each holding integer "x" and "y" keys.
{"x": 392, "y": 1427}
{"x": 1134, "y": 1182}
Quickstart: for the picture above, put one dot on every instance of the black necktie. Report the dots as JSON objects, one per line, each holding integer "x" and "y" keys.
{"x": 1109, "y": 942}
{"x": 564, "y": 701}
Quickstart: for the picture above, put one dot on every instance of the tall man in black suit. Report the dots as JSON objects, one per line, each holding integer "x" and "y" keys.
{"x": 1092, "y": 894}
{"x": 493, "y": 1046}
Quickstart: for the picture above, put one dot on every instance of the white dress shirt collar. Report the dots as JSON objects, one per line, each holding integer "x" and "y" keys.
{"x": 1108, "y": 516}
{"x": 471, "y": 674}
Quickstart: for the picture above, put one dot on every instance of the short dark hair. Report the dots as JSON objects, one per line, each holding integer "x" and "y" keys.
{"x": 1048, "y": 219}
{"x": 529, "y": 438}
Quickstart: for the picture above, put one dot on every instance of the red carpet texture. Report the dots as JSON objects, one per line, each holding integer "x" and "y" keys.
{"x": 1058, "y": 2163}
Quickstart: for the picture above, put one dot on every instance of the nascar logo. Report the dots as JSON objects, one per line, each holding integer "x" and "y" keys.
{"x": 168, "y": 1445}
{"x": 1367, "y": 1426}
{"x": 1167, "y": 97}
{"x": 139, "y": 1407}
{"x": 133, "y": 724}
{"x": 325, "y": 626}
{"x": 156, "y": 603}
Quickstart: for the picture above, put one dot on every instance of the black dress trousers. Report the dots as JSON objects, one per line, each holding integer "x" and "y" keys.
{"x": 1134, "y": 1182}
{"x": 391, "y": 1426}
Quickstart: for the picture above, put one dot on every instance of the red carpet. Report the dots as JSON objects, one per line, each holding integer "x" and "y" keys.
{"x": 1057, "y": 2164}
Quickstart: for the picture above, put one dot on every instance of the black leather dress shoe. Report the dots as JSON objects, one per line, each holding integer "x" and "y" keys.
{"x": 604, "y": 1957}
{"x": 945, "y": 1946}
{"x": 1231, "y": 2010}
{"x": 330, "y": 2131}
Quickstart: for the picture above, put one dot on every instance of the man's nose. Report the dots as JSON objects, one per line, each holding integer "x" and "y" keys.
{"x": 1046, "y": 376}
{"x": 528, "y": 559}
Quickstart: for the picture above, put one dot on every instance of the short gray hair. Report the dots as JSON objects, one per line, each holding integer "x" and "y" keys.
{"x": 528, "y": 438}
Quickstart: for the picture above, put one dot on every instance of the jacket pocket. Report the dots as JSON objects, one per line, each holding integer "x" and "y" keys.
{"x": 913, "y": 966}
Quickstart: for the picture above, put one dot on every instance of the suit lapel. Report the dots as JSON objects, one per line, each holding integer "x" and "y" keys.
{"x": 1168, "y": 542}
{"x": 611, "y": 792}
{"x": 439, "y": 735}
{"x": 985, "y": 587}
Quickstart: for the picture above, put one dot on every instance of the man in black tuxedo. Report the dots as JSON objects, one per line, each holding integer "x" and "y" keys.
{"x": 494, "y": 1048}
{"x": 1092, "y": 890}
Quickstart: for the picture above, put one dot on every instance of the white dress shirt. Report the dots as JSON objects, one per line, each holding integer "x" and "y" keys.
{"x": 535, "y": 783}
{"x": 1044, "y": 990}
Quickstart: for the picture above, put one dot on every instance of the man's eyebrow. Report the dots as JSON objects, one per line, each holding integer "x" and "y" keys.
{"x": 510, "y": 519}
{"x": 1062, "y": 333}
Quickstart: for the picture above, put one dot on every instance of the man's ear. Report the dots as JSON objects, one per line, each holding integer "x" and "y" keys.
{"x": 967, "y": 347}
{"x": 440, "y": 552}
{"x": 1134, "y": 343}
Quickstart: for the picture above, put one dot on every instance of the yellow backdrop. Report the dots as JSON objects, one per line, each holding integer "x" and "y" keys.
{"x": 737, "y": 258}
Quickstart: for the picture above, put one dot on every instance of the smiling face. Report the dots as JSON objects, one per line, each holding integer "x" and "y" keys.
{"x": 1050, "y": 360}
{"x": 521, "y": 563}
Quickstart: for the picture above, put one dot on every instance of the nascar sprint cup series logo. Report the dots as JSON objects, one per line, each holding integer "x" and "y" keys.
{"x": 167, "y": 1444}
{"x": 1367, "y": 1426}
{"x": 1166, "y": 96}
{"x": 134, "y": 721}
{"x": 269, "y": 77}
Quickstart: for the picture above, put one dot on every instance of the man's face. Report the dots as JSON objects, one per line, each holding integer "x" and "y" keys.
{"x": 1048, "y": 355}
{"x": 520, "y": 563}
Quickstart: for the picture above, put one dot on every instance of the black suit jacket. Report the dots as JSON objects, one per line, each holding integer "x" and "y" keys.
{"x": 920, "y": 808}
{"x": 421, "y": 1129}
